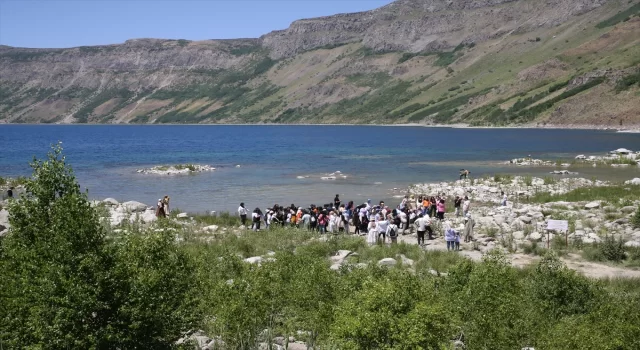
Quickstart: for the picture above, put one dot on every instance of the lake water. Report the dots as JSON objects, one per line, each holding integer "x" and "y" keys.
{"x": 375, "y": 159}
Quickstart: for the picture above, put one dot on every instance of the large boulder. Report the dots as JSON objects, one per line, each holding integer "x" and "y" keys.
{"x": 340, "y": 256}
{"x": 632, "y": 244}
{"x": 211, "y": 228}
{"x": 635, "y": 181}
{"x": 134, "y": 207}
{"x": 592, "y": 205}
{"x": 535, "y": 236}
{"x": 387, "y": 262}
{"x": 110, "y": 202}
{"x": 525, "y": 219}
{"x": 149, "y": 216}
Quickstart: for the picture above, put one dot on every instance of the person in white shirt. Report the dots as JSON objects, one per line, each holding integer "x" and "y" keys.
{"x": 466, "y": 205}
{"x": 269, "y": 217}
{"x": 382, "y": 226}
{"x": 306, "y": 219}
{"x": 403, "y": 219}
{"x": 332, "y": 223}
{"x": 392, "y": 232}
{"x": 504, "y": 199}
{"x": 243, "y": 212}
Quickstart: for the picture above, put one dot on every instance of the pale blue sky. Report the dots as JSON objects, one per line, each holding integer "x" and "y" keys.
{"x": 53, "y": 23}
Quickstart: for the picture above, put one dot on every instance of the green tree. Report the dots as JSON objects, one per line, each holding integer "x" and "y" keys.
{"x": 66, "y": 286}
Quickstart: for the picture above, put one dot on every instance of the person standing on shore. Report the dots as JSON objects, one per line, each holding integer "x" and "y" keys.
{"x": 441, "y": 209}
{"x": 160, "y": 209}
{"x": 336, "y": 202}
{"x": 466, "y": 205}
{"x": 504, "y": 199}
{"x": 165, "y": 203}
{"x": 10, "y": 192}
{"x": 464, "y": 173}
{"x": 449, "y": 236}
{"x": 457, "y": 203}
{"x": 421, "y": 227}
{"x": 382, "y": 226}
{"x": 256, "y": 216}
{"x": 469, "y": 223}
{"x": 243, "y": 212}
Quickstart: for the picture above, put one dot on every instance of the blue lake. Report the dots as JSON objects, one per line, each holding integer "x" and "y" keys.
{"x": 375, "y": 159}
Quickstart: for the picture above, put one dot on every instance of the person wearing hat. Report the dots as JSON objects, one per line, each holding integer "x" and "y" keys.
{"x": 469, "y": 223}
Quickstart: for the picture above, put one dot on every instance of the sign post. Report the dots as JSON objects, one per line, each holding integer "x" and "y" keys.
{"x": 558, "y": 225}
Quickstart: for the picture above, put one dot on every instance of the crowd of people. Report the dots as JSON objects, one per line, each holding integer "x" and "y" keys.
{"x": 378, "y": 222}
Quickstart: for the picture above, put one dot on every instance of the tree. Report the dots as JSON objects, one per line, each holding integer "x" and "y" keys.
{"x": 66, "y": 286}
{"x": 52, "y": 263}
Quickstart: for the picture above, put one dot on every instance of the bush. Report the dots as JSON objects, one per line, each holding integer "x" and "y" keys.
{"x": 66, "y": 285}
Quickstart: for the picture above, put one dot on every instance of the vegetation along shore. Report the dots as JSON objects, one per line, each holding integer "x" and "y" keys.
{"x": 205, "y": 281}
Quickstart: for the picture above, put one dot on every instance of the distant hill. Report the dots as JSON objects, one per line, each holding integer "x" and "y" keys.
{"x": 477, "y": 62}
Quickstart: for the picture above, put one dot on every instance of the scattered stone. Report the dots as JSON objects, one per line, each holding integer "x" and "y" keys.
{"x": 632, "y": 244}
{"x": 592, "y": 205}
{"x": 387, "y": 262}
{"x": 110, "y": 202}
{"x": 212, "y": 228}
{"x": 182, "y": 216}
{"x": 134, "y": 207}
{"x": 254, "y": 260}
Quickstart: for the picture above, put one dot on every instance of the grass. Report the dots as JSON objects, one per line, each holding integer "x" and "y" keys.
{"x": 619, "y": 17}
{"x": 587, "y": 194}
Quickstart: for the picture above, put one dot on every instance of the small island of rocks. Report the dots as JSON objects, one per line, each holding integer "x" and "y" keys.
{"x": 179, "y": 169}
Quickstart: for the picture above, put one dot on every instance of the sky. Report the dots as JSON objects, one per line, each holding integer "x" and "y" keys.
{"x": 70, "y": 23}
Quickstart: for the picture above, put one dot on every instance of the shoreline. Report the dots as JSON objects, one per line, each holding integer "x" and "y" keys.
{"x": 631, "y": 129}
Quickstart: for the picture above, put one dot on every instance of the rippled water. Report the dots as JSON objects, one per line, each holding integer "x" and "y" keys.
{"x": 271, "y": 158}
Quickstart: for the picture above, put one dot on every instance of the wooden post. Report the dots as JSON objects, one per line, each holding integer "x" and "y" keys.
{"x": 548, "y": 242}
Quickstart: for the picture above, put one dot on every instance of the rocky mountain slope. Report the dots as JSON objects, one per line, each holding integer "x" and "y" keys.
{"x": 478, "y": 62}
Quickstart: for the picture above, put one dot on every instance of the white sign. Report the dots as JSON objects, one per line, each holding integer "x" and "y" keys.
{"x": 558, "y": 225}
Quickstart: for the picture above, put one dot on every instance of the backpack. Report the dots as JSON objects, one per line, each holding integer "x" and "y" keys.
{"x": 393, "y": 232}
{"x": 313, "y": 218}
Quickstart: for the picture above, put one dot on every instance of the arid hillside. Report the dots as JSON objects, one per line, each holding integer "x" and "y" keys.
{"x": 476, "y": 62}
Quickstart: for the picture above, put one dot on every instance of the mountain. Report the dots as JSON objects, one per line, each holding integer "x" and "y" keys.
{"x": 477, "y": 62}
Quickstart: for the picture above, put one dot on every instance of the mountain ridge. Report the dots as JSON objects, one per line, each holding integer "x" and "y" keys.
{"x": 418, "y": 61}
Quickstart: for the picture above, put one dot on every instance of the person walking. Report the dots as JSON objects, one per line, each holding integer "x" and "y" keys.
{"x": 469, "y": 223}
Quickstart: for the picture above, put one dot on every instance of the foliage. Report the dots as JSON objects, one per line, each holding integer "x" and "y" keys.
{"x": 619, "y": 17}
{"x": 635, "y": 220}
{"x": 586, "y": 194}
{"x": 628, "y": 81}
{"x": 67, "y": 286}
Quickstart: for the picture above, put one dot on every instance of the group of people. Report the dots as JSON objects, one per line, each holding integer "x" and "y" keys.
{"x": 162, "y": 207}
{"x": 377, "y": 222}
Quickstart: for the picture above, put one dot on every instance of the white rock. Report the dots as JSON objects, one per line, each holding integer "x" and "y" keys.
{"x": 134, "y": 207}
{"x": 212, "y": 228}
{"x": 149, "y": 216}
{"x": 535, "y": 236}
{"x": 254, "y": 260}
{"x": 387, "y": 262}
{"x": 592, "y": 205}
{"x": 340, "y": 256}
{"x": 519, "y": 235}
{"x": 632, "y": 244}
{"x": 110, "y": 201}
{"x": 182, "y": 216}
{"x": 525, "y": 219}
{"x": 335, "y": 267}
